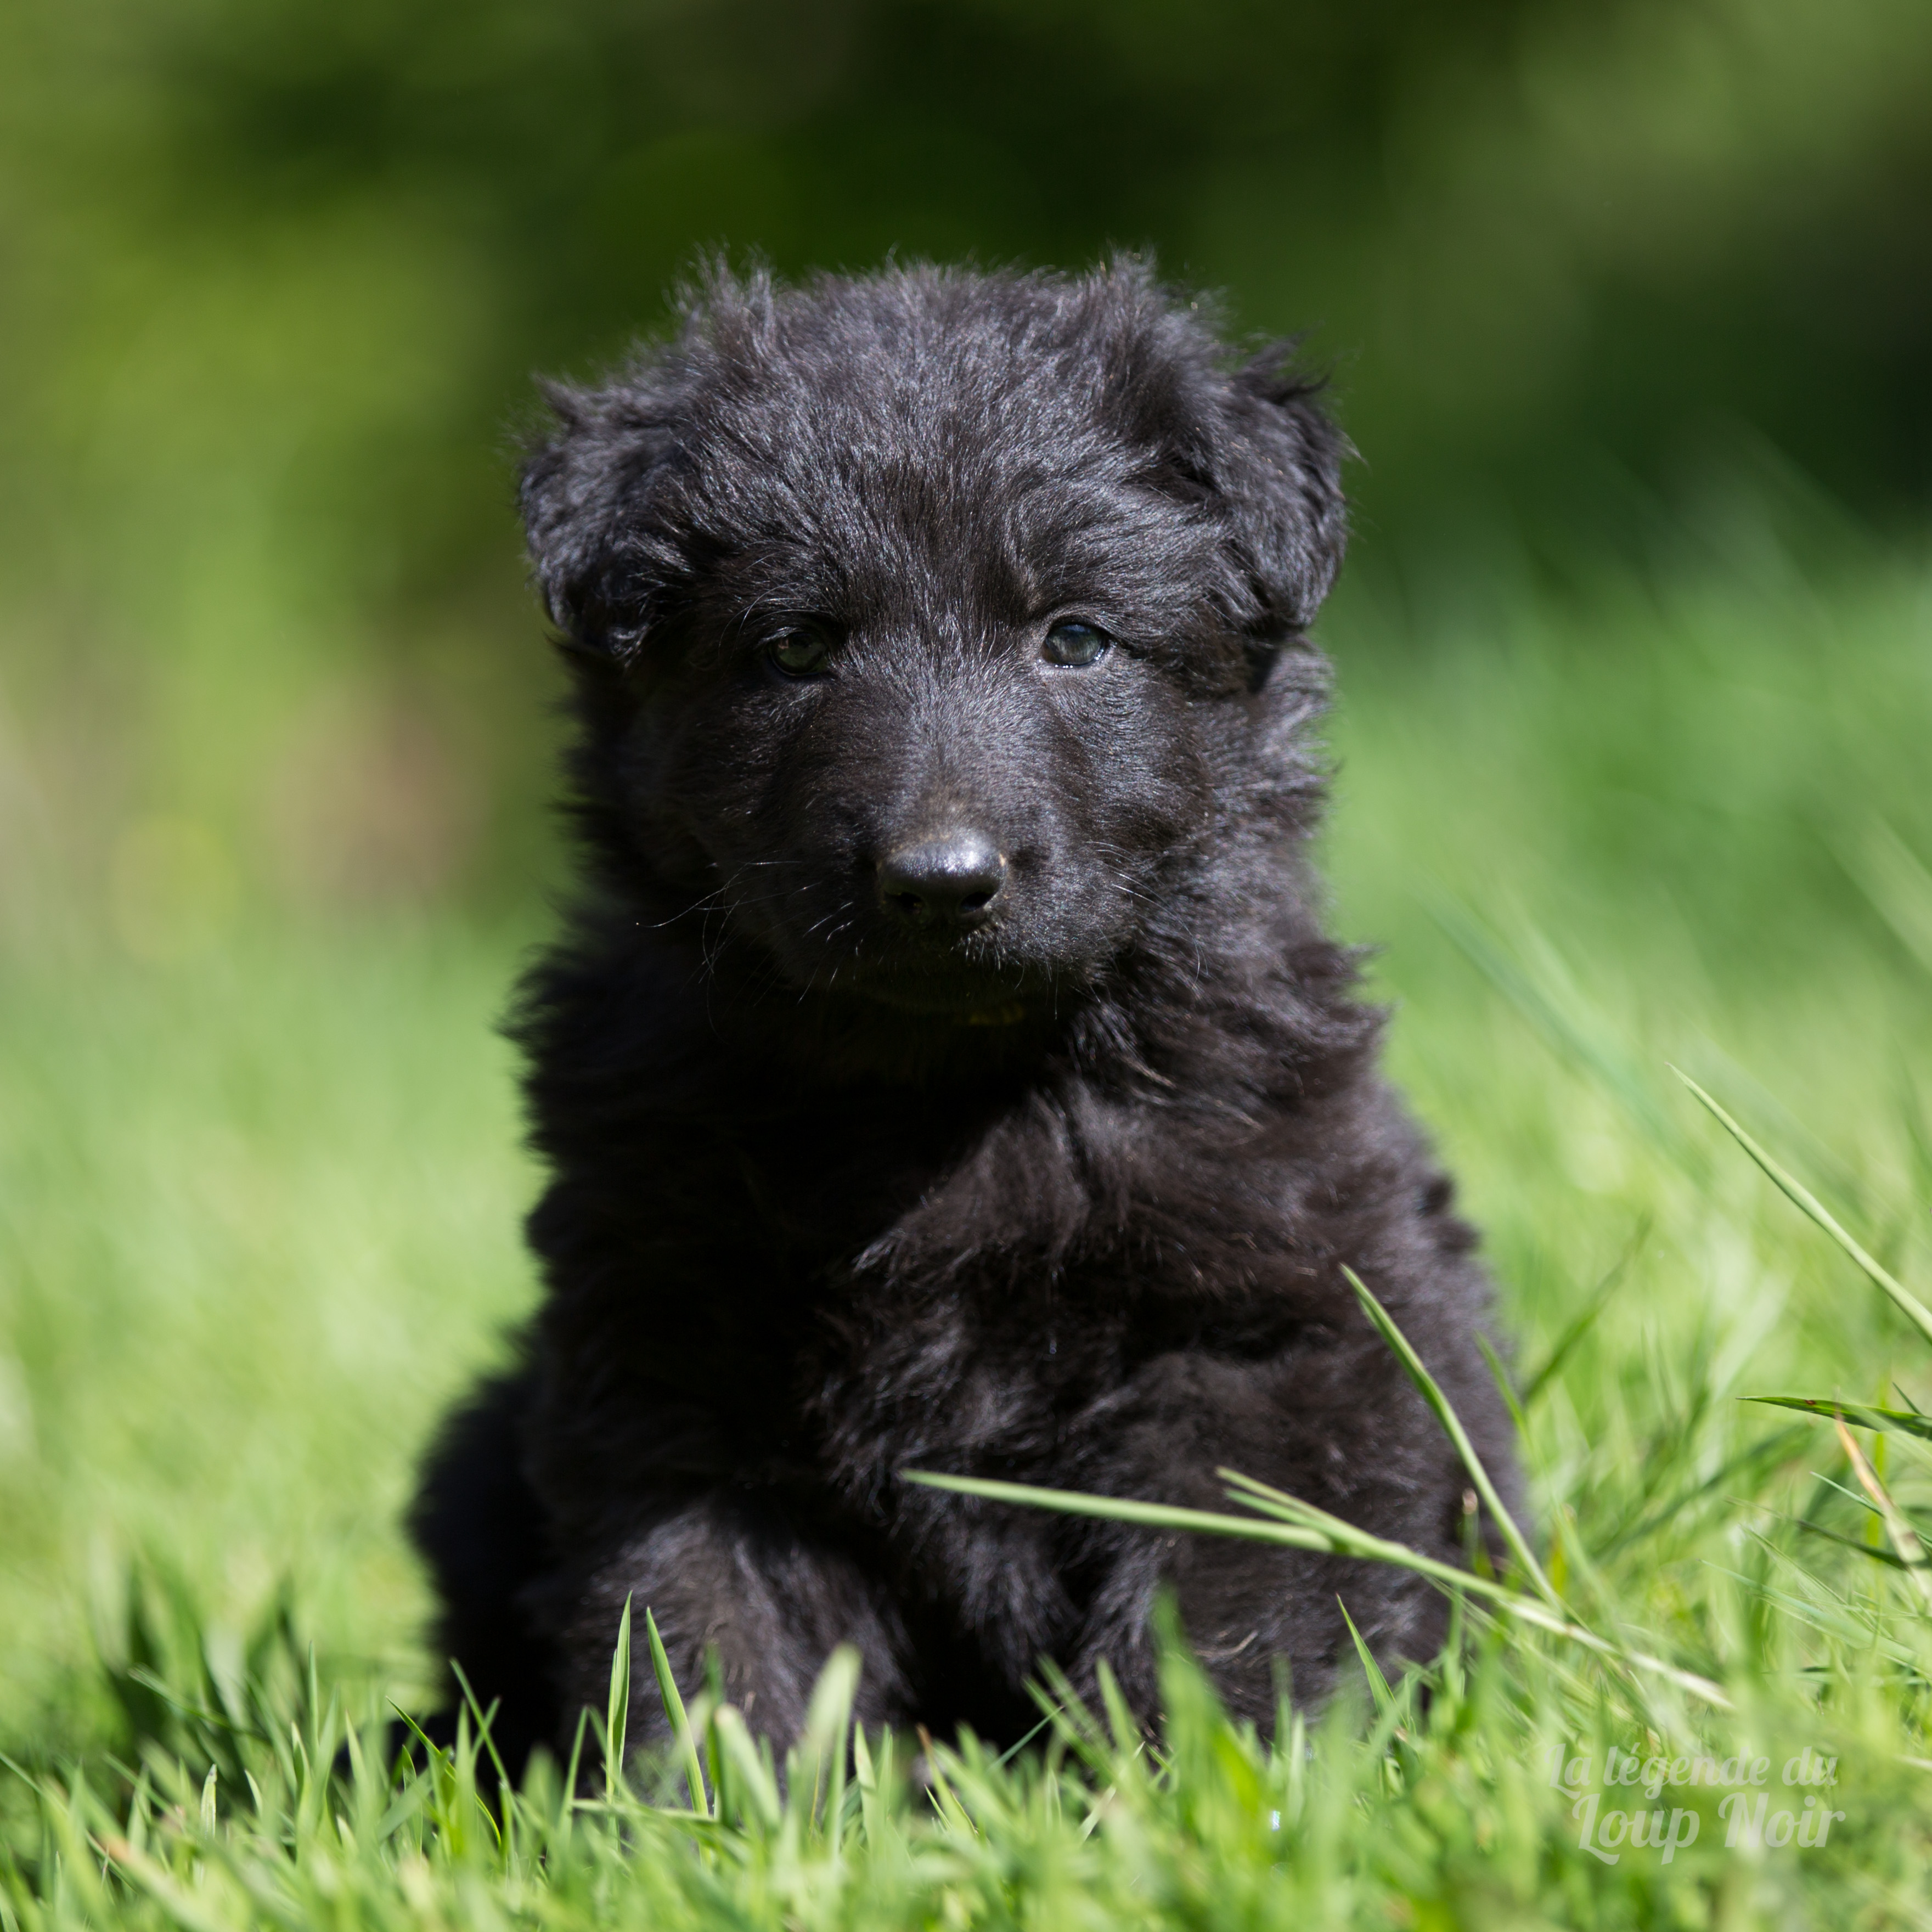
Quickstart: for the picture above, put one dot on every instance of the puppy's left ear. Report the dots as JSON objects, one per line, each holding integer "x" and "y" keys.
{"x": 1280, "y": 475}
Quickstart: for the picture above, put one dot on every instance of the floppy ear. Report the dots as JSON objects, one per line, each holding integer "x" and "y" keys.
{"x": 593, "y": 511}
{"x": 1280, "y": 475}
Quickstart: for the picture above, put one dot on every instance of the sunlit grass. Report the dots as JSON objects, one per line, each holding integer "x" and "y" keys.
{"x": 258, "y": 1219}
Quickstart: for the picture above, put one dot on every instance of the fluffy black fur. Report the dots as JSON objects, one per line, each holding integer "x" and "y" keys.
{"x": 1051, "y": 1178}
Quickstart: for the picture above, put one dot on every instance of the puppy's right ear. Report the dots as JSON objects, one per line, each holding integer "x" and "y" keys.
{"x": 595, "y": 512}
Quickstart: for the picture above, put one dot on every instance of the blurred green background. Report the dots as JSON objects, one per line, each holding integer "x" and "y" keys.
{"x": 277, "y": 275}
{"x": 1629, "y": 308}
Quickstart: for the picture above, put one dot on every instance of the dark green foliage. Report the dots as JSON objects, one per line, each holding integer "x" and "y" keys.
{"x": 279, "y": 277}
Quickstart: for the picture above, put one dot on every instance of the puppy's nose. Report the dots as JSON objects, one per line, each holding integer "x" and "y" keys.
{"x": 951, "y": 880}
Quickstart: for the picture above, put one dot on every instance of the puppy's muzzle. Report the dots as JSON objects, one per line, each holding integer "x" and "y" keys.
{"x": 952, "y": 882}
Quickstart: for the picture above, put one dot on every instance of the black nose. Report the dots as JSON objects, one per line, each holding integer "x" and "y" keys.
{"x": 951, "y": 880}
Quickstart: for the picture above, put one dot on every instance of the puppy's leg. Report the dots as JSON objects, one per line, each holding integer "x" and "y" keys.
{"x": 1255, "y": 1621}
{"x": 480, "y": 1529}
{"x": 1246, "y": 1610}
{"x": 732, "y": 1572}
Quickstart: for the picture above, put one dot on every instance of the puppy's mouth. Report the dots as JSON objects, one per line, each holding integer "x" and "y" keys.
{"x": 993, "y": 968}
{"x": 962, "y": 986}
{"x": 947, "y": 999}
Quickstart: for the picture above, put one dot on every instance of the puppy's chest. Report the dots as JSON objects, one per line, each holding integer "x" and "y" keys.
{"x": 963, "y": 1298}
{"x": 1001, "y": 1368}
{"x": 972, "y": 1372}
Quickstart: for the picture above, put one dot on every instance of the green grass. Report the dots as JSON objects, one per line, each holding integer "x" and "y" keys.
{"x": 258, "y": 1220}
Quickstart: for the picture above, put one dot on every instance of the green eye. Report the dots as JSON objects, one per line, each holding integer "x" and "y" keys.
{"x": 799, "y": 653}
{"x": 1076, "y": 644}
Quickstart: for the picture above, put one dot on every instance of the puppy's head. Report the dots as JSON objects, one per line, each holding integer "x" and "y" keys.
{"x": 924, "y": 624}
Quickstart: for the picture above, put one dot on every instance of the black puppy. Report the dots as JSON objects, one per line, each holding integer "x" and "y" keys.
{"x": 946, "y": 1067}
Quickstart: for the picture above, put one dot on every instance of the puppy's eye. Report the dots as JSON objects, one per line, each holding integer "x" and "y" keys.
{"x": 799, "y": 653}
{"x": 1077, "y": 644}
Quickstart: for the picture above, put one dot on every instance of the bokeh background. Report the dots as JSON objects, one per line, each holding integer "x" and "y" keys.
{"x": 1628, "y": 308}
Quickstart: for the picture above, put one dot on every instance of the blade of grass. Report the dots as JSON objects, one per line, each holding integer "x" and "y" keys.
{"x": 1840, "y": 1629}
{"x": 1595, "y": 1047}
{"x": 1852, "y": 1496}
{"x": 1838, "y": 1619}
{"x": 618, "y": 1709}
{"x": 1452, "y": 1427}
{"x": 1904, "y": 1538}
{"x": 674, "y": 1710}
{"x": 1771, "y": 1449}
{"x": 1884, "y": 1556}
{"x": 484, "y": 1719}
{"x": 946, "y": 1800}
{"x": 752, "y": 1781}
{"x": 1586, "y": 1319}
{"x": 567, "y": 1813}
{"x": 1154, "y": 1515}
{"x": 1802, "y": 1197}
{"x": 1378, "y": 1684}
{"x": 828, "y": 1720}
{"x": 1013, "y": 1750}
{"x": 1341, "y": 1540}
{"x": 1861, "y": 1415}
{"x": 872, "y": 1800}
{"x": 1499, "y": 1375}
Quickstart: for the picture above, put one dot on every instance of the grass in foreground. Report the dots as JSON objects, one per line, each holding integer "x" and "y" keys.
{"x": 257, "y": 1215}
